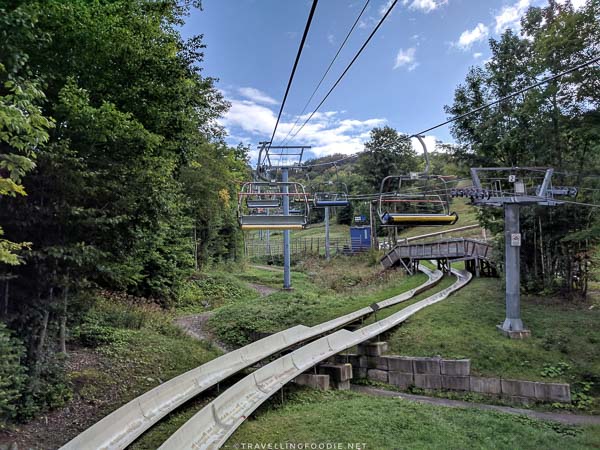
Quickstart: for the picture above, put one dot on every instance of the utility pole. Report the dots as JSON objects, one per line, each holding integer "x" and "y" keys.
{"x": 327, "y": 256}
{"x": 372, "y": 226}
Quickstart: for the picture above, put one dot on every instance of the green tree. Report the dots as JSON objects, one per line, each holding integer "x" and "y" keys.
{"x": 555, "y": 125}
{"x": 386, "y": 153}
{"x": 135, "y": 161}
{"x": 23, "y": 126}
{"x": 12, "y": 374}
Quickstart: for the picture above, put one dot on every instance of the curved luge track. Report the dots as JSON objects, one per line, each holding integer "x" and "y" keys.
{"x": 215, "y": 423}
{"x": 124, "y": 425}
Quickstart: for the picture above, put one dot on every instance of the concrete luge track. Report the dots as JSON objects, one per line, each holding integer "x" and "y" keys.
{"x": 216, "y": 422}
{"x": 121, "y": 427}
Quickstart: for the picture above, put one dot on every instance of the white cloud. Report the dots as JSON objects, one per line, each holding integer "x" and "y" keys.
{"x": 406, "y": 58}
{"x": 256, "y": 96}
{"x": 327, "y": 132}
{"x": 250, "y": 117}
{"x": 510, "y": 16}
{"x": 383, "y": 8}
{"x": 477, "y": 55}
{"x": 331, "y": 38}
{"x": 430, "y": 142}
{"x": 370, "y": 20}
{"x": 425, "y": 5}
{"x": 469, "y": 37}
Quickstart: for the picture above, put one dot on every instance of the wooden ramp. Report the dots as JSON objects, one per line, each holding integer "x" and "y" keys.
{"x": 476, "y": 254}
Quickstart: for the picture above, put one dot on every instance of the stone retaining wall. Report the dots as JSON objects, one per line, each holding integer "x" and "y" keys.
{"x": 447, "y": 374}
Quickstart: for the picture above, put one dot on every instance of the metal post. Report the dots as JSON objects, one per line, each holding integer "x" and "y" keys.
{"x": 287, "y": 278}
{"x": 513, "y": 325}
{"x": 268, "y": 240}
{"x": 372, "y": 226}
{"x": 327, "y": 233}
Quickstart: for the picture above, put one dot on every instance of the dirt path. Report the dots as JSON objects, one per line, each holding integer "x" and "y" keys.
{"x": 269, "y": 268}
{"x": 195, "y": 326}
{"x": 569, "y": 419}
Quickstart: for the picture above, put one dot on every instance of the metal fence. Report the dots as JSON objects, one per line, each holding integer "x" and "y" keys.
{"x": 257, "y": 248}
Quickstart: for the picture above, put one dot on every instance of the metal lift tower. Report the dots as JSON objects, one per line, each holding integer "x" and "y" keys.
{"x": 511, "y": 188}
{"x": 272, "y": 159}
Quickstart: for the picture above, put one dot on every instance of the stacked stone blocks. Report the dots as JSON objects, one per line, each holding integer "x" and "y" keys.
{"x": 448, "y": 374}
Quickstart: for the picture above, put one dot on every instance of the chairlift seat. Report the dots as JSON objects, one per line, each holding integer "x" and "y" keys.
{"x": 325, "y": 203}
{"x": 263, "y": 203}
{"x": 418, "y": 219}
{"x": 273, "y": 222}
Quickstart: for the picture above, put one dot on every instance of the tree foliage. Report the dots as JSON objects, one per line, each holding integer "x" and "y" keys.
{"x": 556, "y": 125}
{"x": 23, "y": 126}
{"x": 387, "y": 152}
{"x": 109, "y": 127}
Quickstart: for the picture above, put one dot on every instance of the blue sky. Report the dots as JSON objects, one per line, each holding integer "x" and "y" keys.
{"x": 403, "y": 78}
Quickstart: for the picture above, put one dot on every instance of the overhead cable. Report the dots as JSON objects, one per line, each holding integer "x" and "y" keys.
{"x": 287, "y": 90}
{"x": 387, "y": 13}
{"x": 514, "y": 94}
{"x": 461, "y": 116}
{"x": 328, "y": 69}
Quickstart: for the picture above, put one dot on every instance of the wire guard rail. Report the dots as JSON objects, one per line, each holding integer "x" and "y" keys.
{"x": 123, "y": 426}
{"x": 215, "y": 423}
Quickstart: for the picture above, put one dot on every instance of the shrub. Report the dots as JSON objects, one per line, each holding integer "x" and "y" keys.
{"x": 12, "y": 374}
{"x": 50, "y": 388}
{"x": 94, "y": 335}
{"x": 210, "y": 291}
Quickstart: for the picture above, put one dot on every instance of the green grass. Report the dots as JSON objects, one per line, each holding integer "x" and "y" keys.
{"x": 148, "y": 353}
{"x": 464, "y": 326}
{"x": 382, "y": 314}
{"x": 207, "y": 291}
{"x": 322, "y": 292}
{"x": 137, "y": 348}
{"x": 383, "y": 423}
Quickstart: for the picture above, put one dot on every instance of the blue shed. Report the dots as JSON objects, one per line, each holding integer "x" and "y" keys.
{"x": 360, "y": 238}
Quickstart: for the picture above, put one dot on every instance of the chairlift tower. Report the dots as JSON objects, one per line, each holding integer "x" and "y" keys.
{"x": 273, "y": 159}
{"x": 510, "y": 188}
{"x": 329, "y": 195}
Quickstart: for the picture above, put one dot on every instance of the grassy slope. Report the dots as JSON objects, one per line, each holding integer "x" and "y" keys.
{"x": 318, "y": 283}
{"x": 383, "y": 423}
{"x": 208, "y": 291}
{"x": 320, "y": 293}
{"x": 323, "y": 291}
{"x": 465, "y": 326}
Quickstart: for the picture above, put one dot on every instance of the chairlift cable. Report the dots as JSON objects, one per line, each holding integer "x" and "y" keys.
{"x": 289, "y": 85}
{"x": 514, "y": 94}
{"x": 387, "y": 13}
{"x": 326, "y": 71}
